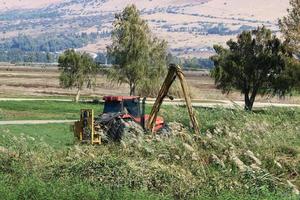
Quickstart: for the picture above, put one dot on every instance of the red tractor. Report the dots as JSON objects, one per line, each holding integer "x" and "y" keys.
{"x": 119, "y": 113}
{"x": 122, "y": 114}
{"x": 129, "y": 109}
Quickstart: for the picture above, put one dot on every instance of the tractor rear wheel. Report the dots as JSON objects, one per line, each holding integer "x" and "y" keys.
{"x": 118, "y": 129}
{"x": 165, "y": 131}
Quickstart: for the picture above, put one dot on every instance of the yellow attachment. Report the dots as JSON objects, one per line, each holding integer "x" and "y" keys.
{"x": 84, "y": 129}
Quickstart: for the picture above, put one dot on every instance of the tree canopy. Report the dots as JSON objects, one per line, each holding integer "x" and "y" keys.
{"x": 140, "y": 58}
{"x": 77, "y": 70}
{"x": 254, "y": 64}
{"x": 290, "y": 27}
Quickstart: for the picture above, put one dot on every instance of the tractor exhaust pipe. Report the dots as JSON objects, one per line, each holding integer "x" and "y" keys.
{"x": 143, "y": 113}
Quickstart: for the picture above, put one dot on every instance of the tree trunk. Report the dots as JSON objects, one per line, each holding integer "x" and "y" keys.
{"x": 248, "y": 104}
{"x": 77, "y": 96}
{"x": 249, "y": 101}
{"x": 132, "y": 89}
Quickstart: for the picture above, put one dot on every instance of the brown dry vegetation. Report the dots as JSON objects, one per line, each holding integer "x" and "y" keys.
{"x": 25, "y": 81}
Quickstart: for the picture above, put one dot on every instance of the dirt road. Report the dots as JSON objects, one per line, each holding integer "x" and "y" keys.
{"x": 179, "y": 102}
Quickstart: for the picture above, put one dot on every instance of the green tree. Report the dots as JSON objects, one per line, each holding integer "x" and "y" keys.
{"x": 254, "y": 64}
{"x": 48, "y": 57}
{"x": 77, "y": 70}
{"x": 138, "y": 56}
{"x": 172, "y": 59}
{"x": 290, "y": 27}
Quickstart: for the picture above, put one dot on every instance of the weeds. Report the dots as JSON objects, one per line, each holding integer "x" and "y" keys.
{"x": 183, "y": 166}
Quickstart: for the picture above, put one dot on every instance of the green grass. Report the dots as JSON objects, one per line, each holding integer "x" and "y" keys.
{"x": 30, "y": 110}
{"x": 58, "y": 136}
{"x": 48, "y": 110}
{"x": 49, "y": 165}
{"x": 34, "y": 188}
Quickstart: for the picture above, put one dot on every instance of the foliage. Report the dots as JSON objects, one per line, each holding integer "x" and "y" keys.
{"x": 76, "y": 69}
{"x": 289, "y": 26}
{"x": 197, "y": 63}
{"x": 289, "y": 80}
{"x": 37, "y": 188}
{"x": 190, "y": 63}
{"x": 157, "y": 168}
{"x": 193, "y": 63}
{"x": 137, "y": 54}
{"x": 102, "y": 58}
{"x": 16, "y": 55}
{"x": 24, "y": 48}
{"x": 253, "y": 64}
{"x": 47, "y": 43}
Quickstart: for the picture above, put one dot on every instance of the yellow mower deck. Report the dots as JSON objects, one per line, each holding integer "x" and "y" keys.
{"x": 86, "y": 123}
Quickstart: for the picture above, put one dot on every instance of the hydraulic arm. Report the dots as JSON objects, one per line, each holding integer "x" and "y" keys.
{"x": 174, "y": 71}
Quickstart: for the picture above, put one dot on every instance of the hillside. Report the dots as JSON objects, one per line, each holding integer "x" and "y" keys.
{"x": 21, "y": 4}
{"x": 190, "y": 26}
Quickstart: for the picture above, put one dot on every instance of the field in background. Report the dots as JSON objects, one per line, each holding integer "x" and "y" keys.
{"x": 43, "y": 82}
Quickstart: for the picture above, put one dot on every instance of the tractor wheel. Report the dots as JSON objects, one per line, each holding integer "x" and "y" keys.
{"x": 124, "y": 130}
{"x": 165, "y": 131}
{"x": 115, "y": 130}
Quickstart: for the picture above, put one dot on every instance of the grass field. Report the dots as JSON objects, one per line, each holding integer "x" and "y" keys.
{"x": 44, "y": 161}
{"x": 58, "y": 136}
{"x": 29, "y": 110}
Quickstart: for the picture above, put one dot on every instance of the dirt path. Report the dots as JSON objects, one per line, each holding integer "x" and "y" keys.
{"x": 25, "y": 122}
{"x": 232, "y": 104}
{"x": 196, "y": 102}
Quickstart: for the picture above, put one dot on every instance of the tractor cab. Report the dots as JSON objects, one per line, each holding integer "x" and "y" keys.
{"x": 122, "y": 104}
{"x": 119, "y": 113}
{"x": 128, "y": 108}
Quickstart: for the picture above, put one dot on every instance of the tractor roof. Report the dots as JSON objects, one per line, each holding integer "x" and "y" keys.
{"x": 119, "y": 98}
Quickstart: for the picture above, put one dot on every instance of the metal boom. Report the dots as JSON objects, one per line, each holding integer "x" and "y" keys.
{"x": 174, "y": 71}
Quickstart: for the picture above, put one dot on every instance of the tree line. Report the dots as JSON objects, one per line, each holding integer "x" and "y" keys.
{"x": 16, "y": 56}
{"x": 190, "y": 63}
{"x": 48, "y": 43}
{"x": 45, "y": 48}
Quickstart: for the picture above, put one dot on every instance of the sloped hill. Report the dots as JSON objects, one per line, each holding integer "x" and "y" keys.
{"x": 21, "y": 4}
{"x": 190, "y": 26}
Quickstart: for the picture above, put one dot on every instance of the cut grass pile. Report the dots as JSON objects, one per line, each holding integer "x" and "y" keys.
{"x": 239, "y": 155}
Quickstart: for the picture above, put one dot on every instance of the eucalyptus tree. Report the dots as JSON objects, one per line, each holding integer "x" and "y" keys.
{"x": 139, "y": 57}
{"x": 77, "y": 70}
